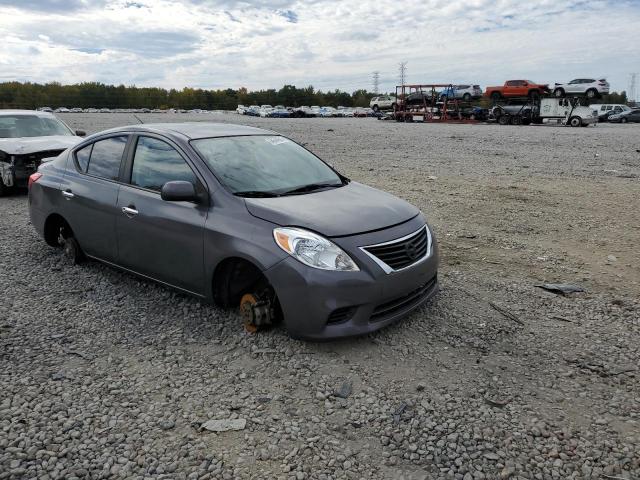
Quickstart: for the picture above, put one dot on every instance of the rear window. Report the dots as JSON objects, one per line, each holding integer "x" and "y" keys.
{"x": 106, "y": 156}
{"x": 82, "y": 158}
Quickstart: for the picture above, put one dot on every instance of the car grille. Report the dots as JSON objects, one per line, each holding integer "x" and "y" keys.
{"x": 397, "y": 305}
{"x": 403, "y": 252}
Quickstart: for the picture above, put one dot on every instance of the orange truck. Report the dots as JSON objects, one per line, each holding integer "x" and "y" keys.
{"x": 517, "y": 89}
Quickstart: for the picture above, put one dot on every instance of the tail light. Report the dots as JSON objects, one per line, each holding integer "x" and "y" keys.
{"x": 33, "y": 178}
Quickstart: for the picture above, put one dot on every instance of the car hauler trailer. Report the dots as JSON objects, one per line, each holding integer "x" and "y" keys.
{"x": 423, "y": 103}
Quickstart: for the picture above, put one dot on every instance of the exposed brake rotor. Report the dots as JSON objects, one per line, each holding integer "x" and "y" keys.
{"x": 256, "y": 312}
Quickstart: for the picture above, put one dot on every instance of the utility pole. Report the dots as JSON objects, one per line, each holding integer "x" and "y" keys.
{"x": 376, "y": 82}
{"x": 402, "y": 66}
{"x": 631, "y": 96}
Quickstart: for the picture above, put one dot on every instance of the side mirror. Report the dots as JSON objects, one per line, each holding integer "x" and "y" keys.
{"x": 81, "y": 133}
{"x": 178, "y": 191}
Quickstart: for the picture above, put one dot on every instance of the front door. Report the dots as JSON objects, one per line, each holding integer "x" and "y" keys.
{"x": 159, "y": 239}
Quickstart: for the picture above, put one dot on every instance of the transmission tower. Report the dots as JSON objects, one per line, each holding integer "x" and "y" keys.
{"x": 632, "y": 88}
{"x": 376, "y": 82}
{"x": 402, "y": 67}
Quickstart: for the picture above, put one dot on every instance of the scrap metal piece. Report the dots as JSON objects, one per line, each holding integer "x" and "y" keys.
{"x": 560, "y": 288}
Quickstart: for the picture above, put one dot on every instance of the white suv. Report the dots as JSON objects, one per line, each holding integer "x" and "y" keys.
{"x": 586, "y": 86}
{"x": 383, "y": 102}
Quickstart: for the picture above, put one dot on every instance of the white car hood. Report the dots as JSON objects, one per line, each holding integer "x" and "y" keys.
{"x": 25, "y": 145}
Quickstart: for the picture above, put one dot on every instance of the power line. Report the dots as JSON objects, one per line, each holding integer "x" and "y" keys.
{"x": 376, "y": 82}
{"x": 402, "y": 66}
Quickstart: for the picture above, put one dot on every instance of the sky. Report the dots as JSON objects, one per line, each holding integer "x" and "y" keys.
{"x": 325, "y": 43}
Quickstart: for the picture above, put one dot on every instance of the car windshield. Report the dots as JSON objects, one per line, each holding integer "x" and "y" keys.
{"x": 19, "y": 126}
{"x": 265, "y": 165}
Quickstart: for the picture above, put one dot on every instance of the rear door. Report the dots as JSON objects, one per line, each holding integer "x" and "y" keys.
{"x": 90, "y": 189}
{"x": 159, "y": 239}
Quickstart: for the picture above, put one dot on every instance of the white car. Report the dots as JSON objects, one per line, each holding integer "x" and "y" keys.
{"x": 241, "y": 109}
{"x": 26, "y": 137}
{"x": 383, "y": 102}
{"x": 328, "y": 112}
{"x": 265, "y": 110}
{"x": 583, "y": 86}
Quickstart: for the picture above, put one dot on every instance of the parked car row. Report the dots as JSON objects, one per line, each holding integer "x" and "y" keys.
{"x": 280, "y": 111}
{"x": 616, "y": 113}
{"x": 120, "y": 110}
{"x": 626, "y": 116}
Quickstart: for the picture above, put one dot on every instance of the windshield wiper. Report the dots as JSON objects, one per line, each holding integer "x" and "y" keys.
{"x": 256, "y": 194}
{"x": 311, "y": 188}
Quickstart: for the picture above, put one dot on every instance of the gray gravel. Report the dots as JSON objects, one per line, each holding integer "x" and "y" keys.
{"x": 108, "y": 376}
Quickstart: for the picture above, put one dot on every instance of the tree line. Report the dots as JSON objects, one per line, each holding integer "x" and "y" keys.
{"x": 98, "y": 95}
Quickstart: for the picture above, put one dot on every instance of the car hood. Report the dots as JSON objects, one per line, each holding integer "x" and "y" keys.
{"x": 338, "y": 212}
{"x": 25, "y": 145}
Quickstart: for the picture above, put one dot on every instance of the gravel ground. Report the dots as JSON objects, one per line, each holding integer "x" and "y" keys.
{"x": 108, "y": 376}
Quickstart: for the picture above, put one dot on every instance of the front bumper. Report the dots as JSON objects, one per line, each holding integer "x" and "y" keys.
{"x": 320, "y": 305}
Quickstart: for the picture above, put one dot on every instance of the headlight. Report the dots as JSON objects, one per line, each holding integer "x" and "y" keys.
{"x": 313, "y": 250}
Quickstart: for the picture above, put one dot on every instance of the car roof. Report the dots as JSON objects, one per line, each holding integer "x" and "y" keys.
{"x": 25, "y": 112}
{"x": 195, "y": 130}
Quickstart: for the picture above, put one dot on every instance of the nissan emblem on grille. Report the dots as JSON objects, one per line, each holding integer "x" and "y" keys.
{"x": 411, "y": 250}
{"x": 402, "y": 252}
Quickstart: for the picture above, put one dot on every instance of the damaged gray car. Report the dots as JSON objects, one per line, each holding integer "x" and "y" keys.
{"x": 242, "y": 217}
{"x": 26, "y": 137}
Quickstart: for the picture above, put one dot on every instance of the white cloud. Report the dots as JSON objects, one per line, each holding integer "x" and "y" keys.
{"x": 328, "y": 43}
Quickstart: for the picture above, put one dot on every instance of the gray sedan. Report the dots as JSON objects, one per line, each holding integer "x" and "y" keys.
{"x": 243, "y": 217}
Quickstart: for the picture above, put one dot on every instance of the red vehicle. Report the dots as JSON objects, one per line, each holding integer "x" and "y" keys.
{"x": 517, "y": 89}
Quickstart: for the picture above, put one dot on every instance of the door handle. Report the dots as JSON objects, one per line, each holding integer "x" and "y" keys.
{"x": 129, "y": 211}
{"x": 67, "y": 194}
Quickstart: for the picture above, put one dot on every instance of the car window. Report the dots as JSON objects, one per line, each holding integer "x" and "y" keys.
{"x": 156, "y": 163}
{"x": 82, "y": 158}
{"x": 512, "y": 83}
{"x": 106, "y": 157}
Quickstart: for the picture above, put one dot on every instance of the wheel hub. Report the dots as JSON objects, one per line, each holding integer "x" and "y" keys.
{"x": 255, "y": 312}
